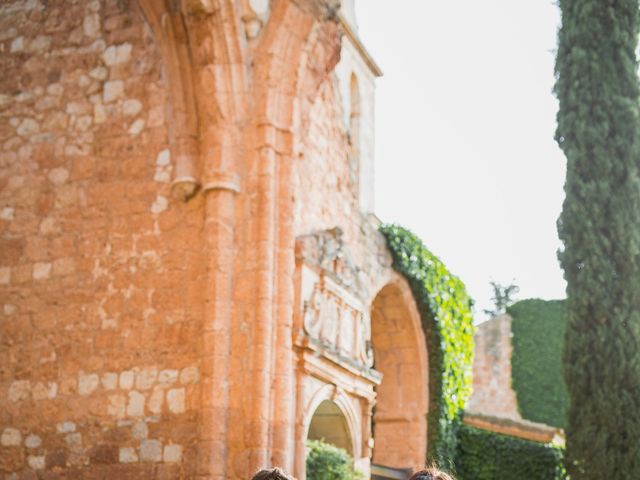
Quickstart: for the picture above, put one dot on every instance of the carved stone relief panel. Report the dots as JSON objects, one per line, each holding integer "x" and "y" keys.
{"x": 334, "y": 319}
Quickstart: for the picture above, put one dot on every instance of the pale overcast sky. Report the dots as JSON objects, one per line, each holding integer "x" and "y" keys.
{"x": 465, "y": 118}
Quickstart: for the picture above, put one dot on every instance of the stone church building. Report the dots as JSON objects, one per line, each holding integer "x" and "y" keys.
{"x": 192, "y": 283}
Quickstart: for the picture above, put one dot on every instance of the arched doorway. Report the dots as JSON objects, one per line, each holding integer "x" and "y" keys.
{"x": 329, "y": 424}
{"x": 399, "y": 419}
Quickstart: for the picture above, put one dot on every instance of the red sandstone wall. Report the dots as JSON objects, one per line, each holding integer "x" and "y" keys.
{"x": 492, "y": 392}
{"x": 102, "y": 272}
{"x": 325, "y": 187}
{"x": 99, "y": 266}
{"x": 325, "y": 192}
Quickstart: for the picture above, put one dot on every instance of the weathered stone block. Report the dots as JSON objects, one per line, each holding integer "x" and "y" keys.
{"x": 41, "y": 391}
{"x": 11, "y": 437}
{"x": 19, "y": 390}
{"x": 116, "y": 406}
{"x": 176, "y": 400}
{"x": 140, "y": 430}
{"x": 172, "y": 453}
{"x": 189, "y": 375}
{"x": 66, "y": 427}
{"x": 109, "y": 380}
{"x": 136, "y": 127}
{"x": 104, "y": 454}
{"x": 40, "y": 43}
{"x": 73, "y": 439}
{"x": 117, "y": 54}
{"x": 131, "y": 107}
{"x": 126, "y": 380}
{"x": 159, "y": 205}
{"x": 41, "y": 270}
{"x": 17, "y": 45}
{"x": 127, "y": 455}
{"x": 36, "y": 462}
{"x": 135, "y": 407}
{"x": 58, "y": 176}
{"x": 9, "y": 309}
{"x": 156, "y": 400}
{"x": 7, "y": 214}
{"x": 99, "y": 73}
{"x": 88, "y": 383}
{"x": 113, "y": 90}
{"x": 5, "y": 275}
{"x": 91, "y": 25}
{"x": 32, "y": 441}
{"x": 146, "y": 378}
{"x": 64, "y": 266}
{"x": 150, "y": 451}
{"x": 28, "y": 127}
{"x": 163, "y": 158}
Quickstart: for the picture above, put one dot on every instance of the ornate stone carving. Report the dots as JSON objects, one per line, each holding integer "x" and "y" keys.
{"x": 326, "y": 249}
{"x": 334, "y": 319}
{"x": 254, "y": 15}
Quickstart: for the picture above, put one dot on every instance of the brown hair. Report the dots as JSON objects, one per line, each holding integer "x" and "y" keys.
{"x": 273, "y": 474}
{"x": 431, "y": 474}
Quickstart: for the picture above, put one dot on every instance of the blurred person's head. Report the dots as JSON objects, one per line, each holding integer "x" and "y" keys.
{"x": 431, "y": 473}
{"x": 272, "y": 474}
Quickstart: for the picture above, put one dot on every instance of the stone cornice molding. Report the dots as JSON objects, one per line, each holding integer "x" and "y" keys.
{"x": 537, "y": 432}
{"x": 355, "y": 39}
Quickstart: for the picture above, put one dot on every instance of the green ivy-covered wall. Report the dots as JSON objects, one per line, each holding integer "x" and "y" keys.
{"x": 484, "y": 455}
{"x": 447, "y": 322}
{"x": 538, "y": 328}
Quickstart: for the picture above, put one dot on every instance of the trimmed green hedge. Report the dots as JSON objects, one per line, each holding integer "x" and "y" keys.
{"x": 328, "y": 462}
{"x": 538, "y": 339}
{"x": 447, "y": 322}
{"x": 484, "y": 455}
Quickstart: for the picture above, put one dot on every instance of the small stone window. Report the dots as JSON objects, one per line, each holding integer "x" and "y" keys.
{"x": 354, "y": 131}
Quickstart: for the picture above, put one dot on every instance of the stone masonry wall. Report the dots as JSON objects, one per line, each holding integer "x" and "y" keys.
{"x": 352, "y": 63}
{"x": 325, "y": 189}
{"x": 492, "y": 392}
{"x": 100, "y": 302}
{"x": 126, "y": 314}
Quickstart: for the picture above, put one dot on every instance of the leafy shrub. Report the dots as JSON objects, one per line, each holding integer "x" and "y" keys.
{"x": 536, "y": 365}
{"x": 484, "y": 455}
{"x": 328, "y": 462}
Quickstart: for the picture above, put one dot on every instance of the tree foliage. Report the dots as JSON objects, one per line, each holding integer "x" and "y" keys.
{"x": 328, "y": 462}
{"x": 598, "y": 130}
{"x": 503, "y": 297}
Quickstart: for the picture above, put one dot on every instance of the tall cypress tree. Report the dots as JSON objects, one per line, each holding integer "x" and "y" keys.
{"x": 598, "y": 130}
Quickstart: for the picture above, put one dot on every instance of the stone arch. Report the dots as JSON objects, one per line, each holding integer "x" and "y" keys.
{"x": 329, "y": 424}
{"x": 340, "y": 404}
{"x": 400, "y": 353}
